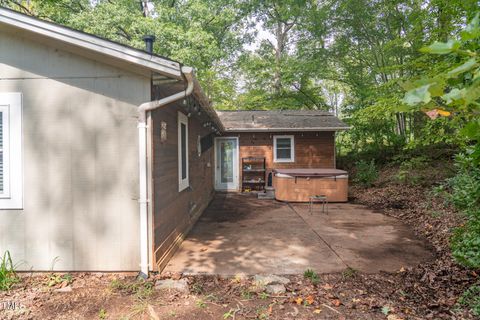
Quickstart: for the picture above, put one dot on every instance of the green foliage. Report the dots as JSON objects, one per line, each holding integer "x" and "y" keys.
{"x": 457, "y": 88}
{"x": 471, "y": 299}
{"x": 465, "y": 185}
{"x": 366, "y": 173}
{"x": 8, "y": 275}
{"x": 141, "y": 289}
{"x": 349, "y": 272}
{"x": 466, "y": 243}
{"x": 411, "y": 170}
{"x": 55, "y": 279}
{"x": 102, "y": 314}
{"x": 311, "y": 275}
{"x": 465, "y": 195}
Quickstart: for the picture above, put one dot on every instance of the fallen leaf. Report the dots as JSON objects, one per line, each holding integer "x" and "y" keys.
{"x": 443, "y": 113}
{"x": 299, "y": 300}
{"x": 336, "y": 302}
{"x": 309, "y": 300}
{"x": 317, "y": 311}
{"x": 327, "y": 286}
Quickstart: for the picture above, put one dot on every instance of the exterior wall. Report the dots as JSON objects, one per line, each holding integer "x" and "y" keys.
{"x": 175, "y": 212}
{"x": 80, "y": 160}
{"x": 312, "y": 149}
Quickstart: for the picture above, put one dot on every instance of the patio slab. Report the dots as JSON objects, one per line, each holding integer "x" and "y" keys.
{"x": 239, "y": 234}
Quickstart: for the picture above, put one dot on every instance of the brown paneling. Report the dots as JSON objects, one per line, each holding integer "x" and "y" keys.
{"x": 175, "y": 212}
{"x": 312, "y": 149}
{"x": 300, "y": 189}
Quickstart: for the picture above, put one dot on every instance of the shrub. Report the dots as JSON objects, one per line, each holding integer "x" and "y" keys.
{"x": 465, "y": 185}
{"x": 465, "y": 195}
{"x": 410, "y": 171}
{"x": 8, "y": 275}
{"x": 366, "y": 173}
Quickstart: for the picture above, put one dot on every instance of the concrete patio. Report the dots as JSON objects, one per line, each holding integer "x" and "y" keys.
{"x": 241, "y": 234}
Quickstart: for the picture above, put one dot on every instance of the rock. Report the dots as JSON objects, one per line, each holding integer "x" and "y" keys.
{"x": 275, "y": 288}
{"x": 64, "y": 289}
{"x": 170, "y": 284}
{"x": 264, "y": 280}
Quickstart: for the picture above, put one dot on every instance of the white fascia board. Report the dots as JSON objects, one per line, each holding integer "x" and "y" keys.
{"x": 92, "y": 43}
{"x": 286, "y": 129}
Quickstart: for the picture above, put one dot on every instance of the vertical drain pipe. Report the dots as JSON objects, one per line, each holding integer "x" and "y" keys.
{"x": 143, "y": 167}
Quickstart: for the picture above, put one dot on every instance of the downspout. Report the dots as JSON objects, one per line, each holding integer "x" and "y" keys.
{"x": 143, "y": 167}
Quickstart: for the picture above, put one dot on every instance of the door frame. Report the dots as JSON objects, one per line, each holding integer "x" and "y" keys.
{"x": 236, "y": 168}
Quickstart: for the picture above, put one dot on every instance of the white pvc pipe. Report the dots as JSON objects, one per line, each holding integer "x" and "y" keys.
{"x": 143, "y": 167}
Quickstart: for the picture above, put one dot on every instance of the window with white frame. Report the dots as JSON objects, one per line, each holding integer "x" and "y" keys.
{"x": 182, "y": 152}
{"x": 283, "y": 149}
{"x": 11, "y": 178}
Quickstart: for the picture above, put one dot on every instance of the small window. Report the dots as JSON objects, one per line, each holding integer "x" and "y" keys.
{"x": 11, "y": 178}
{"x": 182, "y": 152}
{"x": 283, "y": 149}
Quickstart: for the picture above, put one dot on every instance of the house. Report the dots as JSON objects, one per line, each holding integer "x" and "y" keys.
{"x": 297, "y": 143}
{"x": 109, "y": 154}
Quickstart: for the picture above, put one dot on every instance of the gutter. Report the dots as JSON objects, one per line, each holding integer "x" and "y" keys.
{"x": 286, "y": 129}
{"x": 143, "y": 167}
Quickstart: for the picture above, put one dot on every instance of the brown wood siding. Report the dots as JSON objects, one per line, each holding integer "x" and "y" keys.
{"x": 174, "y": 212}
{"x": 312, "y": 149}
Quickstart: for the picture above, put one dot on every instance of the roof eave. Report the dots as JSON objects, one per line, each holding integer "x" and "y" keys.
{"x": 90, "y": 42}
{"x": 285, "y": 129}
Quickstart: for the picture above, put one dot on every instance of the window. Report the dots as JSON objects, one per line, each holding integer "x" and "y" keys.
{"x": 283, "y": 149}
{"x": 182, "y": 152}
{"x": 11, "y": 179}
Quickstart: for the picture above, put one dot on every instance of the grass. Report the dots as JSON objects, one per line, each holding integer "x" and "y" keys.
{"x": 8, "y": 275}
{"x": 141, "y": 289}
{"x": 312, "y": 276}
{"x": 349, "y": 273}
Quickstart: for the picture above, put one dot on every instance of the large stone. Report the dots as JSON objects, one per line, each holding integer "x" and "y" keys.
{"x": 275, "y": 289}
{"x": 170, "y": 284}
{"x": 264, "y": 280}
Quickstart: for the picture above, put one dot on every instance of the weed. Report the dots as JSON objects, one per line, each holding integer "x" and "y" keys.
{"x": 471, "y": 299}
{"x": 8, "y": 275}
{"x": 55, "y": 279}
{"x": 349, "y": 273}
{"x": 262, "y": 313}
{"x": 200, "y": 303}
{"x": 311, "y": 275}
{"x": 229, "y": 314}
{"x": 102, "y": 314}
{"x": 263, "y": 296}
{"x": 197, "y": 288}
{"x": 211, "y": 297}
{"x": 141, "y": 289}
{"x": 246, "y": 294}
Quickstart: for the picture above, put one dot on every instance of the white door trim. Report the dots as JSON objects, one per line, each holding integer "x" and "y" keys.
{"x": 236, "y": 165}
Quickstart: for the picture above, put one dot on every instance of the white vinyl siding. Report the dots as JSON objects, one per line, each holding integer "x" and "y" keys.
{"x": 11, "y": 177}
{"x": 183, "y": 182}
{"x": 283, "y": 148}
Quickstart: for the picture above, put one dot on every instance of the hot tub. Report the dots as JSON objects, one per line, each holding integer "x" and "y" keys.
{"x": 298, "y": 185}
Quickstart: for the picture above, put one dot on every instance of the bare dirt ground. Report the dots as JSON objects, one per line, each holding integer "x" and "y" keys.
{"x": 427, "y": 291}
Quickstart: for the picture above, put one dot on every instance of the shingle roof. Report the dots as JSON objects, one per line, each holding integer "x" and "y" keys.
{"x": 284, "y": 120}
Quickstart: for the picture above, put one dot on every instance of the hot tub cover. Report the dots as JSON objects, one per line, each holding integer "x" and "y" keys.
{"x": 311, "y": 172}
